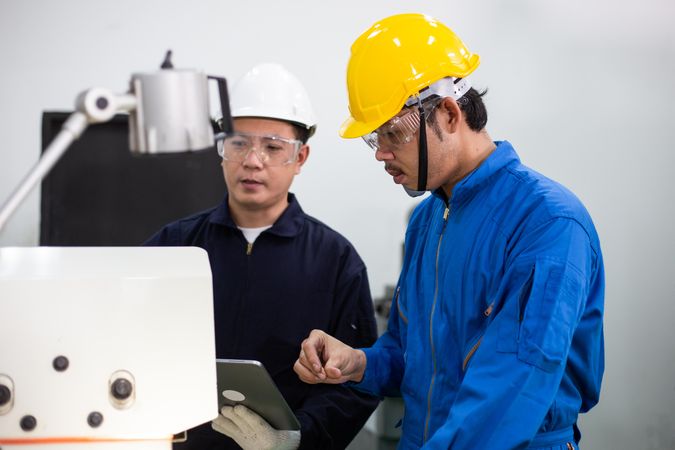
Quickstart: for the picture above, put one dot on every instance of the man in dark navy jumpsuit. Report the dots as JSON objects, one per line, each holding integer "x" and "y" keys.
{"x": 277, "y": 272}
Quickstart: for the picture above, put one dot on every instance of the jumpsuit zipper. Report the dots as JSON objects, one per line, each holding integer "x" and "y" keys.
{"x": 249, "y": 248}
{"x": 398, "y": 307}
{"x": 446, "y": 213}
{"x": 475, "y": 346}
{"x": 471, "y": 352}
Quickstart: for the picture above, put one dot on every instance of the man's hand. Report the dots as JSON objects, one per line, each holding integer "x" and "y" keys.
{"x": 252, "y": 432}
{"x": 324, "y": 359}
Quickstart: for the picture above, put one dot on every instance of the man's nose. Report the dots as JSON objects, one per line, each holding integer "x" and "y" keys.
{"x": 253, "y": 158}
{"x": 383, "y": 154}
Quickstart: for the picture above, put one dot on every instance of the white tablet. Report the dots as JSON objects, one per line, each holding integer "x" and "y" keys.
{"x": 247, "y": 382}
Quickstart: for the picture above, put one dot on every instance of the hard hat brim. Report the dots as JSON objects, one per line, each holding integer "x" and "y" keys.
{"x": 352, "y": 128}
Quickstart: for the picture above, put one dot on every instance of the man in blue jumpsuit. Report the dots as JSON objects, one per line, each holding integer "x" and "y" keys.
{"x": 495, "y": 336}
{"x": 277, "y": 272}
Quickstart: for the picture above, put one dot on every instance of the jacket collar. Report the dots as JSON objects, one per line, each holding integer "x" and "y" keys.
{"x": 289, "y": 224}
{"x": 500, "y": 157}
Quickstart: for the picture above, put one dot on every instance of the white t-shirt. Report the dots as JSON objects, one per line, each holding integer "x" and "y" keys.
{"x": 251, "y": 234}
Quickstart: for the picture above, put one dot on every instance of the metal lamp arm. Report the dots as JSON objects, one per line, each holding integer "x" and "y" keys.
{"x": 95, "y": 105}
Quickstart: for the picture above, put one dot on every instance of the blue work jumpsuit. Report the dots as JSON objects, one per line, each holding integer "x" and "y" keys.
{"x": 495, "y": 337}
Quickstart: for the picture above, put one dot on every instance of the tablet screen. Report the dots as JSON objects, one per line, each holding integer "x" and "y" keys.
{"x": 247, "y": 382}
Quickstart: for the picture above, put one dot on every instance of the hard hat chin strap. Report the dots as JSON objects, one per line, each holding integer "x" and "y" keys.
{"x": 423, "y": 154}
{"x": 445, "y": 87}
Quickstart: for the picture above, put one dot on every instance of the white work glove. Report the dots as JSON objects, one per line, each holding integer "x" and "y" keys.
{"x": 252, "y": 432}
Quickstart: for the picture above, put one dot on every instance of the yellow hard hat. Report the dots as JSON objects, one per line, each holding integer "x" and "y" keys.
{"x": 395, "y": 59}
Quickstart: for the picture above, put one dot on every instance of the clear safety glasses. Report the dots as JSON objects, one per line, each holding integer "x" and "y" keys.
{"x": 401, "y": 129}
{"x": 270, "y": 150}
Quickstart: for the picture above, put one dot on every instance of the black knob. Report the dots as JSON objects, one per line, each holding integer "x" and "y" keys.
{"x": 60, "y": 363}
{"x": 28, "y": 423}
{"x": 101, "y": 103}
{"x": 5, "y": 395}
{"x": 95, "y": 419}
{"x": 121, "y": 389}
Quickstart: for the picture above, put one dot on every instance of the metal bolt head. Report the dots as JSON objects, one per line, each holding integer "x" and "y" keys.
{"x": 102, "y": 103}
{"x": 5, "y": 395}
{"x": 95, "y": 419}
{"x": 60, "y": 363}
{"x": 121, "y": 389}
{"x": 28, "y": 423}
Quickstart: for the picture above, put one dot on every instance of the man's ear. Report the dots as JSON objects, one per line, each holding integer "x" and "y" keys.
{"x": 452, "y": 115}
{"x": 303, "y": 154}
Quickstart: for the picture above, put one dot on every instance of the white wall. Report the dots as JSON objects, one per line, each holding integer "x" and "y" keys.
{"x": 584, "y": 90}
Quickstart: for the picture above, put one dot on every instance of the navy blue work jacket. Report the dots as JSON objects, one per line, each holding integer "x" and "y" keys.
{"x": 298, "y": 275}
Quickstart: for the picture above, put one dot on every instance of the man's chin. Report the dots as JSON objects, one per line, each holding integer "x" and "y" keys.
{"x": 413, "y": 192}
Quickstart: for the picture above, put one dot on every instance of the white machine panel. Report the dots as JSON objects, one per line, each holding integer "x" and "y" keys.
{"x": 105, "y": 345}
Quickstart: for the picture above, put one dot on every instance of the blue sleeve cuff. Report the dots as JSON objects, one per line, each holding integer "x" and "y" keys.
{"x": 371, "y": 382}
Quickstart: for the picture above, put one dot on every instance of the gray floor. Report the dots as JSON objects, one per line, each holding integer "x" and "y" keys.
{"x": 367, "y": 440}
{"x": 385, "y": 419}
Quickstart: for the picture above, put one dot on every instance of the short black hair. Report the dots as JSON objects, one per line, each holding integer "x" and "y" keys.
{"x": 474, "y": 110}
{"x": 473, "y": 107}
{"x": 301, "y": 133}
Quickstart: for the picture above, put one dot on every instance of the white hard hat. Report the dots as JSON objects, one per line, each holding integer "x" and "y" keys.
{"x": 270, "y": 91}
